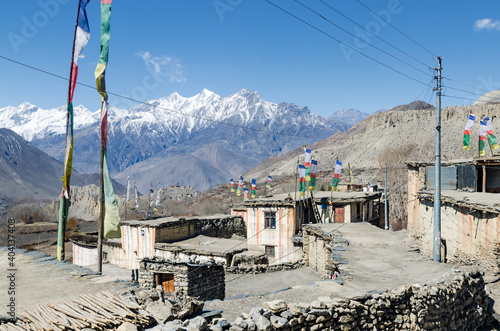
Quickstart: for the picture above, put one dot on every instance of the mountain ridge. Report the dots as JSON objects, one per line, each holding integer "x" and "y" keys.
{"x": 242, "y": 125}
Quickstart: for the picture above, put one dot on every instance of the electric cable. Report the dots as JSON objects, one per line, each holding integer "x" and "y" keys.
{"x": 340, "y": 42}
{"x": 353, "y": 35}
{"x": 373, "y": 34}
{"x": 395, "y": 28}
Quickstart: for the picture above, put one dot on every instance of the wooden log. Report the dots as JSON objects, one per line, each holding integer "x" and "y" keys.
{"x": 35, "y": 322}
{"x": 96, "y": 307}
{"x": 125, "y": 304}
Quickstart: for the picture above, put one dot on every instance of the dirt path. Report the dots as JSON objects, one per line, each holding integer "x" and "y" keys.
{"x": 40, "y": 279}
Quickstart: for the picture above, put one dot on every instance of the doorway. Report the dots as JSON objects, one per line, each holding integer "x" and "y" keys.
{"x": 166, "y": 280}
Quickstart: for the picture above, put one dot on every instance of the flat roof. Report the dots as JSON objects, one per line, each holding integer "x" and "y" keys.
{"x": 489, "y": 202}
{"x": 333, "y": 196}
{"x": 168, "y": 221}
{"x": 492, "y": 160}
{"x": 207, "y": 245}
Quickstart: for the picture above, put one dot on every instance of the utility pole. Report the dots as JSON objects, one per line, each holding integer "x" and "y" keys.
{"x": 385, "y": 203}
{"x": 437, "y": 166}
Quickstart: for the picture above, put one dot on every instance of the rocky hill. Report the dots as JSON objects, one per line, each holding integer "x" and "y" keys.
{"x": 27, "y": 172}
{"x": 394, "y": 136}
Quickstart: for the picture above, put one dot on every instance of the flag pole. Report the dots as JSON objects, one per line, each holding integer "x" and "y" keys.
{"x": 101, "y": 199}
{"x": 64, "y": 205}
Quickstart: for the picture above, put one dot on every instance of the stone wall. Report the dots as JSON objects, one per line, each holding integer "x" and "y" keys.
{"x": 457, "y": 302}
{"x": 221, "y": 227}
{"x": 205, "y": 282}
{"x": 318, "y": 247}
{"x": 263, "y": 268}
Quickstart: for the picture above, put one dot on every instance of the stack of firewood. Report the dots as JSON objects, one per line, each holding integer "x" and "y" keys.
{"x": 99, "y": 312}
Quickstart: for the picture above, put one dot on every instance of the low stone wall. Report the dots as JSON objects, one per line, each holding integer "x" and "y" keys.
{"x": 206, "y": 282}
{"x": 456, "y": 302}
{"x": 263, "y": 268}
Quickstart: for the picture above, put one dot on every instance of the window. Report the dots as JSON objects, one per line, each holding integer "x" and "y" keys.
{"x": 270, "y": 251}
{"x": 270, "y": 218}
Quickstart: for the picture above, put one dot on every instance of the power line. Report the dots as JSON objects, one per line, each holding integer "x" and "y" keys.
{"x": 154, "y": 106}
{"x": 340, "y": 42}
{"x": 353, "y": 35}
{"x": 455, "y": 97}
{"x": 474, "y": 87}
{"x": 395, "y": 28}
{"x": 373, "y": 34}
{"x": 460, "y": 90}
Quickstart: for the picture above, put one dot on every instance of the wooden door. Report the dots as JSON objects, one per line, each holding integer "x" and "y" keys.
{"x": 166, "y": 281}
{"x": 339, "y": 215}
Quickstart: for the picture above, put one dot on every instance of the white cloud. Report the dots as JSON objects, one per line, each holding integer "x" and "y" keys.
{"x": 167, "y": 66}
{"x": 487, "y": 24}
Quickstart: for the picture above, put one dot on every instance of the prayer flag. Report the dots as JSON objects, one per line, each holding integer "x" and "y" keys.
{"x": 468, "y": 128}
{"x": 489, "y": 134}
{"x": 231, "y": 184}
{"x": 307, "y": 165}
{"x": 268, "y": 183}
{"x": 253, "y": 188}
{"x": 482, "y": 137}
{"x": 302, "y": 181}
{"x": 111, "y": 216}
{"x": 240, "y": 186}
{"x": 336, "y": 175}
{"x": 245, "y": 194}
{"x": 314, "y": 169}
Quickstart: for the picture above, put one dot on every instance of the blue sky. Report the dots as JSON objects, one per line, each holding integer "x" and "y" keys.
{"x": 159, "y": 47}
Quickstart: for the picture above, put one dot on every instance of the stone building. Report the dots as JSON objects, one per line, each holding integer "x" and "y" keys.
{"x": 470, "y": 209}
{"x": 205, "y": 282}
{"x": 273, "y": 223}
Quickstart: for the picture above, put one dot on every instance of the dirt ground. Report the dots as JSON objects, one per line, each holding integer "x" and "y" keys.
{"x": 40, "y": 279}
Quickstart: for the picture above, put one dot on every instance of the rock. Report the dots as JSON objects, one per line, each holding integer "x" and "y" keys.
{"x": 279, "y": 322}
{"x": 398, "y": 319}
{"x": 320, "y": 312}
{"x": 267, "y": 313}
{"x": 175, "y": 325}
{"x": 216, "y": 328}
{"x": 197, "y": 323}
{"x": 318, "y": 304}
{"x": 286, "y": 314}
{"x": 235, "y": 328}
{"x": 161, "y": 312}
{"x": 127, "y": 327}
{"x": 147, "y": 295}
{"x": 239, "y": 321}
{"x": 298, "y": 308}
{"x": 276, "y": 306}
{"x": 251, "y": 325}
{"x": 255, "y": 310}
{"x": 261, "y": 322}
{"x": 224, "y": 324}
{"x": 346, "y": 319}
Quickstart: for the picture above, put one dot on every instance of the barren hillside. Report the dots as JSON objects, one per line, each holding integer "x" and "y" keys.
{"x": 394, "y": 135}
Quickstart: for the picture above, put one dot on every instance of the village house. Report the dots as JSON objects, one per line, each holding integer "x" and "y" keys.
{"x": 470, "y": 209}
{"x": 274, "y": 223}
{"x": 185, "y": 255}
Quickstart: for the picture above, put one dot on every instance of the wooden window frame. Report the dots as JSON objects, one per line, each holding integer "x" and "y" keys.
{"x": 269, "y": 216}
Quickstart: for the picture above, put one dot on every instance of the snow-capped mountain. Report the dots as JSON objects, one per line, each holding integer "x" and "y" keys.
{"x": 242, "y": 125}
